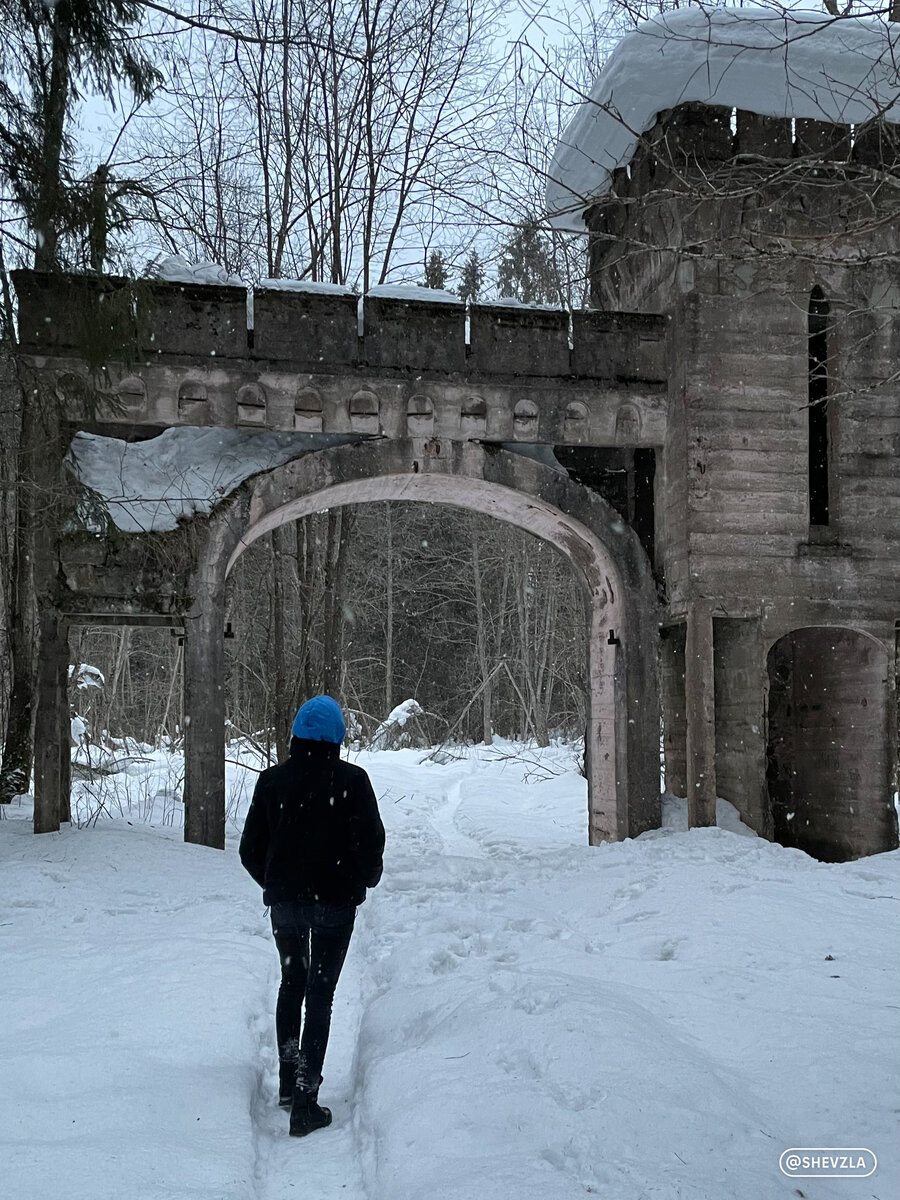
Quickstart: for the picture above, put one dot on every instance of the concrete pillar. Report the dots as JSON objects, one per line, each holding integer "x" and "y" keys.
{"x": 607, "y": 792}
{"x": 700, "y": 714}
{"x": 204, "y": 723}
{"x": 622, "y": 747}
{"x": 52, "y": 729}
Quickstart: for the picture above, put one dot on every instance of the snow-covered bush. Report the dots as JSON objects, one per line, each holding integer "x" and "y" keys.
{"x": 85, "y": 676}
{"x": 400, "y": 728}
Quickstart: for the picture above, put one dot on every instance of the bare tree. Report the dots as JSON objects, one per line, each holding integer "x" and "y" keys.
{"x": 315, "y": 148}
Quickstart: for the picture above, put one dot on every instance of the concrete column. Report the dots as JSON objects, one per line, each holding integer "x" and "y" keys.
{"x": 607, "y": 793}
{"x": 700, "y": 714}
{"x": 52, "y": 729}
{"x": 204, "y": 723}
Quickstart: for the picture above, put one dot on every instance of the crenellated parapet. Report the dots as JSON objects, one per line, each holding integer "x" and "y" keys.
{"x": 703, "y": 134}
{"x": 311, "y": 361}
{"x": 710, "y": 185}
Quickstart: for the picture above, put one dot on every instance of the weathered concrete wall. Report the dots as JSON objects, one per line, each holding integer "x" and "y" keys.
{"x": 730, "y": 245}
{"x": 740, "y": 685}
{"x": 128, "y": 578}
{"x": 304, "y": 366}
{"x": 734, "y": 504}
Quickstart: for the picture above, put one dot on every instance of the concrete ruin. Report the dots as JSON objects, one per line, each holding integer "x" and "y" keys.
{"x": 774, "y": 259}
{"x": 738, "y": 377}
{"x": 421, "y": 400}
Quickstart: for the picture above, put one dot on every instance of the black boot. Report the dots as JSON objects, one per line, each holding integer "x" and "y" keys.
{"x": 287, "y": 1072}
{"x": 307, "y": 1114}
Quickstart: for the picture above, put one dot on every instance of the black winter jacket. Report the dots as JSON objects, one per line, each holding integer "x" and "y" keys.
{"x": 313, "y": 831}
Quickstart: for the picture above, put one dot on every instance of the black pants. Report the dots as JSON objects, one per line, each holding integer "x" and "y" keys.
{"x": 312, "y": 941}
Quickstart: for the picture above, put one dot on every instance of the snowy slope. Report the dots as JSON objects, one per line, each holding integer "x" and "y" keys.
{"x": 521, "y": 1016}
{"x": 791, "y": 64}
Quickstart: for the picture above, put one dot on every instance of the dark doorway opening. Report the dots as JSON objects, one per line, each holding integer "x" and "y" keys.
{"x": 829, "y": 753}
{"x": 672, "y": 640}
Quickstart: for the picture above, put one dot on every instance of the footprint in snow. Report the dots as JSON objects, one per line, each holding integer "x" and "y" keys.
{"x": 535, "y": 1003}
{"x": 638, "y": 916}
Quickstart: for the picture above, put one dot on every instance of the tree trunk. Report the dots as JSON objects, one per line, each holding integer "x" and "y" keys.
{"x": 339, "y": 521}
{"x": 174, "y": 681}
{"x": 114, "y": 683}
{"x": 305, "y": 567}
{"x": 52, "y": 736}
{"x": 49, "y": 198}
{"x": 281, "y": 702}
{"x": 481, "y": 646}
{"x": 18, "y": 748}
{"x": 389, "y": 614}
{"x": 15, "y": 774}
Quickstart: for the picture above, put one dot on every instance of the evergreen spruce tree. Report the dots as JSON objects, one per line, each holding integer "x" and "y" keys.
{"x": 472, "y": 278}
{"x": 50, "y": 51}
{"x": 525, "y": 271}
{"x": 436, "y": 272}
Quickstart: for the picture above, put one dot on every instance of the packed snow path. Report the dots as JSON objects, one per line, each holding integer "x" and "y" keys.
{"x": 520, "y": 1015}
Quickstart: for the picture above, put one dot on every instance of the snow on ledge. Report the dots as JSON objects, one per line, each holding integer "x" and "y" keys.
{"x": 794, "y": 64}
{"x": 149, "y": 487}
{"x": 306, "y": 285}
{"x": 512, "y": 302}
{"x": 176, "y": 269}
{"x": 399, "y": 291}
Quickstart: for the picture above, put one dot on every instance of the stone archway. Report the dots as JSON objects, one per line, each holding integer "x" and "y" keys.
{"x": 622, "y": 738}
{"x": 829, "y": 743}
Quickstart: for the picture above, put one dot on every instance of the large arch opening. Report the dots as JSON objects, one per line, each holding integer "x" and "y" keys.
{"x": 599, "y": 574}
{"x": 479, "y": 624}
{"x": 621, "y": 748}
{"x": 829, "y": 757}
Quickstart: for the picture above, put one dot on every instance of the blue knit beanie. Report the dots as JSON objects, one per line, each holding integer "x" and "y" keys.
{"x": 320, "y": 720}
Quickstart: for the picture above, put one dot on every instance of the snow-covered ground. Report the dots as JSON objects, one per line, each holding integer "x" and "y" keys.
{"x": 520, "y": 1015}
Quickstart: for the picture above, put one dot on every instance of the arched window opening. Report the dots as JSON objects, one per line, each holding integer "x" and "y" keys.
{"x": 819, "y": 422}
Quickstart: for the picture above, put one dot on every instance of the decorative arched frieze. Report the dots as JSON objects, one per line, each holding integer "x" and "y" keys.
{"x": 525, "y": 419}
{"x": 575, "y": 421}
{"x": 251, "y": 405}
{"x": 193, "y": 402}
{"x": 473, "y": 416}
{"x": 420, "y": 416}
{"x": 364, "y": 412}
{"x": 308, "y": 412}
{"x": 628, "y": 425}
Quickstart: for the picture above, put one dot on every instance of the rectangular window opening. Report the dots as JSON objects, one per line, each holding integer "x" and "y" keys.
{"x": 819, "y": 439}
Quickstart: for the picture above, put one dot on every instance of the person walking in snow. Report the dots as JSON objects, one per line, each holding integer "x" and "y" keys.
{"x": 313, "y": 840}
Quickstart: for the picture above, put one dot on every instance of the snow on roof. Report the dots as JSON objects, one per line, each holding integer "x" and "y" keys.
{"x": 399, "y": 291}
{"x": 176, "y": 269}
{"x": 149, "y": 486}
{"x": 306, "y": 285}
{"x": 794, "y": 63}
